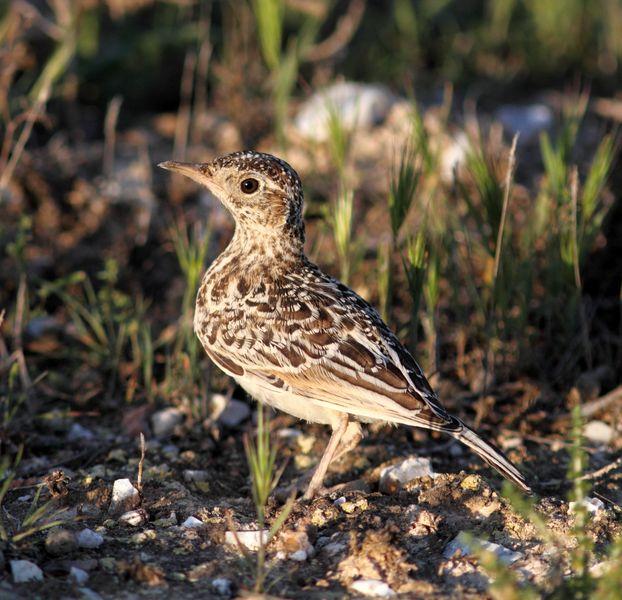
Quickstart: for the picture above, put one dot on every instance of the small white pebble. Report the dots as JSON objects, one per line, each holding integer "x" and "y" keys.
{"x": 249, "y": 539}
{"x": 299, "y": 555}
{"x": 372, "y": 587}
{"x": 134, "y": 517}
{"x": 89, "y": 539}
{"x": 592, "y": 505}
{"x": 339, "y": 501}
{"x": 125, "y": 497}
{"x": 192, "y": 523}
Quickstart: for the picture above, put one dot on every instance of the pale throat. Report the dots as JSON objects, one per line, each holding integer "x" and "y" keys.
{"x": 254, "y": 246}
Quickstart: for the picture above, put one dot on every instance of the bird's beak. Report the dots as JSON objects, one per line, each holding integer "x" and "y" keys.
{"x": 196, "y": 171}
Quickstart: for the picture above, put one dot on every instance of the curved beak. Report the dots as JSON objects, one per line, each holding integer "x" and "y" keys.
{"x": 197, "y": 171}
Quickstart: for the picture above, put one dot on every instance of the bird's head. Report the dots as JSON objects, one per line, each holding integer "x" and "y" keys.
{"x": 262, "y": 192}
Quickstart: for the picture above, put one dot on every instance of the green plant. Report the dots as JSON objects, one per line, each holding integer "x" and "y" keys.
{"x": 261, "y": 458}
{"x": 403, "y": 187}
{"x": 342, "y": 228}
{"x": 37, "y": 518}
{"x": 573, "y": 578}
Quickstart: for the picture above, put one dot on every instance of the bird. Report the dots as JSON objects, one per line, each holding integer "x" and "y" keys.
{"x": 296, "y": 338}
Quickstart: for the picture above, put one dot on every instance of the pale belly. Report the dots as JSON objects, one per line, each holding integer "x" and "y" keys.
{"x": 290, "y": 403}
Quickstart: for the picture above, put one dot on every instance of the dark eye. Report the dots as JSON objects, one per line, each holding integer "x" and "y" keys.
{"x": 249, "y": 185}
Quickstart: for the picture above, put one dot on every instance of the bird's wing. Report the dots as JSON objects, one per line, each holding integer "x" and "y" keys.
{"x": 319, "y": 338}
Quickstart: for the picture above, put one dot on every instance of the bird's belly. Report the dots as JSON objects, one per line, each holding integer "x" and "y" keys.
{"x": 289, "y": 402}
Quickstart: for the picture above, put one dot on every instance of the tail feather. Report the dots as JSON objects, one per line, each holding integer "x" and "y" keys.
{"x": 490, "y": 455}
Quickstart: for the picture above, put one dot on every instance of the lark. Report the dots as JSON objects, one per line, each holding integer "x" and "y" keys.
{"x": 296, "y": 338}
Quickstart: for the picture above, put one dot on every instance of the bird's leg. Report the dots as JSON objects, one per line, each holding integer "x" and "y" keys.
{"x": 350, "y": 440}
{"x": 318, "y": 477}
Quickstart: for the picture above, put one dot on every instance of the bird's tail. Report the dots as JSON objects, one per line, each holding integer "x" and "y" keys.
{"x": 491, "y": 455}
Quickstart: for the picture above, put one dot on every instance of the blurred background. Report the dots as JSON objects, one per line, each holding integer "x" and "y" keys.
{"x": 460, "y": 160}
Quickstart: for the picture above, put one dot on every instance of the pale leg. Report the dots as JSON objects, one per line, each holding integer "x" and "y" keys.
{"x": 318, "y": 477}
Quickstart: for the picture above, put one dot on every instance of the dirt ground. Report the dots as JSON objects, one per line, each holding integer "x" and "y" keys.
{"x": 80, "y": 440}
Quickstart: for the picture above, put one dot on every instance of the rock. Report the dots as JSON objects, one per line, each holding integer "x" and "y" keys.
{"x": 24, "y": 571}
{"x": 249, "y": 539}
{"x": 77, "y": 433}
{"x": 194, "y": 475}
{"x": 296, "y": 545}
{"x": 466, "y": 547}
{"x": 356, "y": 105}
{"x": 305, "y": 443}
{"x": 598, "y": 432}
{"x": 134, "y": 517}
{"x": 471, "y": 483}
{"x": 222, "y": 586}
{"x": 89, "y": 594}
{"x": 334, "y": 548}
{"x": 350, "y": 507}
{"x": 125, "y": 497}
{"x": 235, "y": 413}
{"x": 164, "y": 421}
{"x": 60, "y": 541}
{"x": 527, "y": 120}
{"x": 372, "y": 587}
{"x": 592, "y": 505}
{"x": 89, "y": 539}
{"x": 394, "y": 477}
{"x": 78, "y": 575}
{"x": 142, "y": 537}
{"x": 192, "y": 523}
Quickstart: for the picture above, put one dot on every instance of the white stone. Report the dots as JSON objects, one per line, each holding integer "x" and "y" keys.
{"x": 527, "y": 120}
{"x": 299, "y": 555}
{"x": 249, "y": 539}
{"x": 339, "y": 501}
{"x": 393, "y": 477}
{"x": 372, "y": 587}
{"x": 222, "y": 586}
{"x": 592, "y": 505}
{"x": 234, "y": 413}
{"x": 356, "y": 105}
{"x": 192, "y": 523}
{"x": 77, "y": 433}
{"x": 78, "y": 575}
{"x": 125, "y": 497}
{"x": 288, "y": 433}
{"x": 134, "y": 517}
{"x": 164, "y": 421}
{"x": 466, "y": 547}
{"x": 89, "y": 539}
{"x": 598, "y": 432}
{"x": 24, "y": 571}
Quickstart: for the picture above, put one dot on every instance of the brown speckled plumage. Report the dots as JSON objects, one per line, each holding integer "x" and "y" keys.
{"x": 296, "y": 338}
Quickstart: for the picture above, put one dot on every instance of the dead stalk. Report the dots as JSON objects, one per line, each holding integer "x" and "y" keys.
{"x": 110, "y": 133}
{"x": 141, "y": 463}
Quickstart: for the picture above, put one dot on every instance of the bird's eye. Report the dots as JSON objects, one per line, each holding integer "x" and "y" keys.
{"x": 249, "y": 185}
